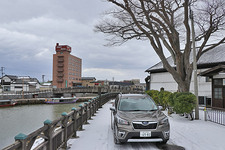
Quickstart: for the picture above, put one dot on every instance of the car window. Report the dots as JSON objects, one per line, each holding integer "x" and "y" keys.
{"x": 136, "y": 104}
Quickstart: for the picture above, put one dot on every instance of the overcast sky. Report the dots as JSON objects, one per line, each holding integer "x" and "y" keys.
{"x": 30, "y": 29}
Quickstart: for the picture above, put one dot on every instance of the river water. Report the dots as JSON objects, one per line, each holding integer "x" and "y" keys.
{"x": 27, "y": 118}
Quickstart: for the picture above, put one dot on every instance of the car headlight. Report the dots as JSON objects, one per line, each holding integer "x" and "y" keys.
{"x": 122, "y": 121}
{"x": 164, "y": 121}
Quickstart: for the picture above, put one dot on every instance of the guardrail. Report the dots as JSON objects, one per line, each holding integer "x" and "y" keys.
{"x": 55, "y": 134}
{"x": 215, "y": 115}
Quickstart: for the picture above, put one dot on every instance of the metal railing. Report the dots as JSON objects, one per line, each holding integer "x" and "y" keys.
{"x": 215, "y": 115}
{"x": 55, "y": 134}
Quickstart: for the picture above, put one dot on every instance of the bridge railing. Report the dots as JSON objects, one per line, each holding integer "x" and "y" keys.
{"x": 55, "y": 134}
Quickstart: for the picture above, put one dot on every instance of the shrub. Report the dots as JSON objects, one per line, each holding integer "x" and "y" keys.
{"x": 160, "y": 98}
{"x": 183, "y": 102}
{"x": 163, "y": 98}
{"x": 154, "y": 95}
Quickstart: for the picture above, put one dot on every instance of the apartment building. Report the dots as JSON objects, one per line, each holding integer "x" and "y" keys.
{"x": 67, "y": 68}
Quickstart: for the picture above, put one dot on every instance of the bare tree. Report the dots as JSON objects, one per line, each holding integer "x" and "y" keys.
{"x": 165, "y": 23}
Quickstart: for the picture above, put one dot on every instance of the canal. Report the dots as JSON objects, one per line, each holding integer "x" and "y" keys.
{"x": 27, "y": 118}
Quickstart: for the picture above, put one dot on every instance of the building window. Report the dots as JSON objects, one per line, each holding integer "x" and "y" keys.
{"x": 18, "y": 87}
{"x": 6, "y": 88}
{"x": 218, "y": 93}
{"x": 218, "y": 82}
{"x": 208, "y": 79}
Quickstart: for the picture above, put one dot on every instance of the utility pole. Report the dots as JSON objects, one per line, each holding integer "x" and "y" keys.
{"x": 43, "y": 78}
{"x": 194, "y": 65}
{"x": 2, "y": 70}
{"x": 22, "y": 88}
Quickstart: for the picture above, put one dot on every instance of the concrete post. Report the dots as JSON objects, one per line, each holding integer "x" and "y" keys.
{"x": 74, "y": 119}
{"x": 64, "y": 126}
{"x": 81, "y": 115}
{"x": 91, "y": 106}
{"x": 86, "y": 112}
{"x": 48, "y": 133}
{"x": 22, "y": 138}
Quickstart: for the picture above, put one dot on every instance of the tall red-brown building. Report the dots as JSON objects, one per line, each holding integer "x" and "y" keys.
{"x": 66, "y": 67}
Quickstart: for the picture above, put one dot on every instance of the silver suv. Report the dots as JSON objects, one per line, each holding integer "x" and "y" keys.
{"x": 136, "y": 118}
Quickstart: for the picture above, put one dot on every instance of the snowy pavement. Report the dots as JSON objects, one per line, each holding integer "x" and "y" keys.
{"x": 185, "y": 134}
{"x": 197, "y": 134}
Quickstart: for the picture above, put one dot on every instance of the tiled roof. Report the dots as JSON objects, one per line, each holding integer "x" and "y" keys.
{"x": 88, "y": 78}
{"x": 12, "y": 77}
{"x": 215, "y": 56}
{"x": 120, "y": 83}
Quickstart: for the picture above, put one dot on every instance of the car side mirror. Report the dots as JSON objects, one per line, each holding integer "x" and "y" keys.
{"x": 112, "y": 109}
{"x": 160, "y": 107}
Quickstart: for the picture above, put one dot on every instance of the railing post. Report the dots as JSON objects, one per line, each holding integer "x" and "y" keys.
{"x": 64, "y": 126}
{"x": 205, "y": 115}
{"x": 22, "y": 138}
{"x": 95, "y": 105}
{"x": 86, "y": 112}
{"x": 48, "y": 133}
{"x": 81, "y": 115}
{"x": 74, "y": 119}
{"x": 91, "y": 107}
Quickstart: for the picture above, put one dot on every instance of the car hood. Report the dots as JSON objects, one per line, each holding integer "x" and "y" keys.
{"x": 141, "y": 115}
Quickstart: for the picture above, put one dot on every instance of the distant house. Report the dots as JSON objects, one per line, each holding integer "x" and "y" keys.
{"x": 11, "y": 83}
{"x": 117, "y": 84}
{"x": 159, "y": 77}
{"x": 88, "y": 81}
{"x": 46, "y": 86}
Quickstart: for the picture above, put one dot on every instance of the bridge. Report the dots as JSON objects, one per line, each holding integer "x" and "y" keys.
{"x": 58, "y": 92}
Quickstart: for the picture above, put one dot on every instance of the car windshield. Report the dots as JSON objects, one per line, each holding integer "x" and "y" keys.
{"x": 137, "y": 104}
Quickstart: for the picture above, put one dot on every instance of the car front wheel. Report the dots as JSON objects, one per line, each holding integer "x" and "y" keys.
{"x": 116, "y": 140}
{"x": 164, "y": 141}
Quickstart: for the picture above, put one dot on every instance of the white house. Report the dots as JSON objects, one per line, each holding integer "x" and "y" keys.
{"x": 10, "y": 83}
{"x": 159, "y": 77}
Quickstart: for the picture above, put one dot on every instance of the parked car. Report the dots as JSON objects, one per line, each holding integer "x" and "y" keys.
{"x": 136, "y": 118}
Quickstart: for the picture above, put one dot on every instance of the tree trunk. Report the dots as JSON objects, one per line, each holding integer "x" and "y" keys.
{"x": 183, "y": 87}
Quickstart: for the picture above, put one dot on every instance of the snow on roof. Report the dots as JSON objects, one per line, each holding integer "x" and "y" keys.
{"x": 46, "y": 84}
{"x": 214, "y": 56}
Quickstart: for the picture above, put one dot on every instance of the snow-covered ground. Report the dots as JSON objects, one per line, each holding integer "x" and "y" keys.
{"x": 185, "y": 134}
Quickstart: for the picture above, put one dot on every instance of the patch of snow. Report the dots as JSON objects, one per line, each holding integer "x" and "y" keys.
{"x": 197, "y": 134}
{"x": 191, "y": 135}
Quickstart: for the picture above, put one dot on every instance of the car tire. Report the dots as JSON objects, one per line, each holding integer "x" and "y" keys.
{"x": 116, "y": 140}
{"x": 112, "y": 120}
{"x": 164, "y": 141}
